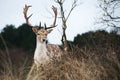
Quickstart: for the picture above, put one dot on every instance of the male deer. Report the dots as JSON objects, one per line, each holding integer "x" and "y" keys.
{"x": 43, "y": 52}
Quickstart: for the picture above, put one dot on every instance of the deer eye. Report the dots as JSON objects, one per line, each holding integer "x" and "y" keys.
{"x": 45, "y": 33}
{"x": 38, "y": 34}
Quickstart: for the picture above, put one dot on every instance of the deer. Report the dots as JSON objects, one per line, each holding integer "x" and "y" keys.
{"x": 44, "y": 52}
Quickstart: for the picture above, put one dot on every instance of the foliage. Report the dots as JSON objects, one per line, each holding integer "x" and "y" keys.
{"x": 27, "y": 37}
{"x": 9, "y": 34}
{"x": 97, "y": 38}
{"x": 21, "y": 37}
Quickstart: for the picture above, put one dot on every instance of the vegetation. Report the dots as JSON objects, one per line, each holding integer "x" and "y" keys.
{"x": 92, "y": 56}
{"x": 81, "y": 64}
{"x": 21, "y": 37}
{"x": 97, "y": 38}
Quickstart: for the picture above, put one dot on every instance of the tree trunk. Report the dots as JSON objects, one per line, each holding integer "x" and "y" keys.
{"x": 64, "y": 39}
{"x": 64, "y": 26}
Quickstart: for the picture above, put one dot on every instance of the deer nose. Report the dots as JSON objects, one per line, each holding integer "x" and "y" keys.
{"x": 44, "y": 40}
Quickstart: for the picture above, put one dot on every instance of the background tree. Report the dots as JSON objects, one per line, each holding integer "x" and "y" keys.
{"x": 64, "y": 20}
{"x": 110, "y": 13}
{"x": 26, "y": 37}
{"x": 21, "y": 37}
{"x": 9, "y": 35}
{"x": 99, "y": 38}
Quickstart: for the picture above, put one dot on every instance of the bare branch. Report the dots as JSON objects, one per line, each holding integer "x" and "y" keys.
{"x": 110, "y": 8}
{"x": 73, "y": 6}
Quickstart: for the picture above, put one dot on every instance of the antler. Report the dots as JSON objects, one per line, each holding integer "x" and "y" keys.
{"x": 54, "y": 22}
{"x": 25, "y": 10}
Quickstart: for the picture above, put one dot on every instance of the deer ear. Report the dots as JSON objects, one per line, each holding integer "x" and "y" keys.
{"x": 49, "y": 30}
{"x": 35, "y": 30}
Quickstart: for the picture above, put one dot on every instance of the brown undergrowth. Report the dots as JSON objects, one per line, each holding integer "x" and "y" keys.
{"x": 99, "y": 63}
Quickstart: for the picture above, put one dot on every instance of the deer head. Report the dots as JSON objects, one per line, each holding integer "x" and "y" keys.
{"x": 41, "y": 33}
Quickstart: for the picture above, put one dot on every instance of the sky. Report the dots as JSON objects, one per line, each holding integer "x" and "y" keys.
{"x": 81, "y": 20}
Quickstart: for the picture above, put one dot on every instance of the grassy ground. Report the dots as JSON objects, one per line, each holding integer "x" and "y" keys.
{"x": 87, "y": 63}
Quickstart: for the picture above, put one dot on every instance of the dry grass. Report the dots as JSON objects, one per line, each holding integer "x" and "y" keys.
{"x": 80, "y": 64}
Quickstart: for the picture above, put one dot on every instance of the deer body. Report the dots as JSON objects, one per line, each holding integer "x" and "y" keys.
{"x": 44, "y": 53}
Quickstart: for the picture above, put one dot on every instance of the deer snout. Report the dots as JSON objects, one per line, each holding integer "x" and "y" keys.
{"x": 43, "y": 40}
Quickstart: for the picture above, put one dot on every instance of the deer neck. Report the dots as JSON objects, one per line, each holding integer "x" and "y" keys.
{"x": 41, "y": 47}
{"x": 40, "y": 55}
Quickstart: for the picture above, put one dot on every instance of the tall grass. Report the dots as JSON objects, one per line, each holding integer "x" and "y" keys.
{"x": 19, "y": 64}
{"x": 87, "y": 63}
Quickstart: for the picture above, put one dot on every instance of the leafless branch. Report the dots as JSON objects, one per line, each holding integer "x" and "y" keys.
{"x": 74, "y": 4}
{"x": 110, "y": 9}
